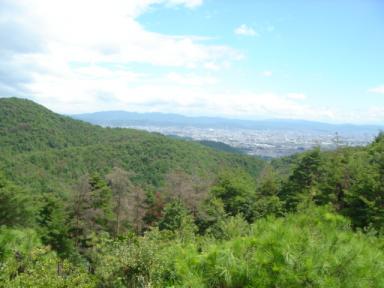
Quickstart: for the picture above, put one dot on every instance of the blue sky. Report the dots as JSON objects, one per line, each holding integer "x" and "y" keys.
{"x": 315, "y": 60}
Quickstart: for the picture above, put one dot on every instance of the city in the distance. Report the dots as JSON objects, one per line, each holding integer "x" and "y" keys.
{"x": 265, "y": 138}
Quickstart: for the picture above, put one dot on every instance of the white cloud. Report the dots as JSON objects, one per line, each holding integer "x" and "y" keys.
{"x": 73, "y": 55}
{"x": 245, "y": 30}
{"x": 266, "y": 73}
{"x": 190, "y": 94}
{"x": 211, "y": 66}
{"x": 187, "y": 3}
{"x": 379, "y": 90}
{"x": 296, "y": 96}
{"x": 77, "y": 56}
{"x": 175, "y": 92}
{"x": 190, "y": 79}
{"x": 51, "y": 36}
{"x": 107, "y": 31}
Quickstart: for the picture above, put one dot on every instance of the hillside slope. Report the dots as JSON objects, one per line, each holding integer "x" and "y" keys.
{"x": 26, "y": 126}
{"x": 47, "y": 151}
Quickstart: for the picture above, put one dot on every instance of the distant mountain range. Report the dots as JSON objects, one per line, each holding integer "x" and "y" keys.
{"x": 125, "y": 119}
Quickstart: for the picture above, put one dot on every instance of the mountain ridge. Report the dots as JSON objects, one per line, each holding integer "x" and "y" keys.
{"x": 121, "y": 117}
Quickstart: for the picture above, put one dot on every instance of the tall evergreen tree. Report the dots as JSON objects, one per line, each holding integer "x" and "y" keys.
{"x": 301, "y": 185}
{"x": 267, "y": 199}
{"x": 173, "y": 215}
{"x": 91, "y": 209}
{"x": 53, "y": 223}
{"x": 17, "y": 207}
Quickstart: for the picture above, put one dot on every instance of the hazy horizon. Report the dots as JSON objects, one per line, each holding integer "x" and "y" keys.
{"x": 225, "y": 118}
{"x": 249, "y": 60}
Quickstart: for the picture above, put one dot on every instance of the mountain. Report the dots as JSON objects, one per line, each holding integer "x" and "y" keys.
{"x": 26, "y": 126}
{"x": 124, "y": 118}
{"x": 46, "y": 151}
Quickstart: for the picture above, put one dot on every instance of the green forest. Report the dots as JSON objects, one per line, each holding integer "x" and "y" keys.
{"x": 86, "y": 206}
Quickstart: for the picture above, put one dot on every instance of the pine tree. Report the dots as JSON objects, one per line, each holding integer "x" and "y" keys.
{"x": 52, "y": 219}
{"x": 173, "y": 215}
{"x": 301, "y": 185}
{"x": 237, "y": 191}
{"x": 267, "y": 199}
{"x": 17, "y": 207}
{"x": 91, "y": 209}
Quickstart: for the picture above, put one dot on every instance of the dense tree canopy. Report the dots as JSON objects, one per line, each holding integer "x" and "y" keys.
{"x": 86, "y": 206}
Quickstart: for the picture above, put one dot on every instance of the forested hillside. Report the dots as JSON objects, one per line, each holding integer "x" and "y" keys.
{"x": 85, "y": 206}
{"x": 35, "y": 142}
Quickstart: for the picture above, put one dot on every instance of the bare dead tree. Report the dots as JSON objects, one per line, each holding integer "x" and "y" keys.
{"x": 190, "y": 189}
{"x": 121, "y": 185}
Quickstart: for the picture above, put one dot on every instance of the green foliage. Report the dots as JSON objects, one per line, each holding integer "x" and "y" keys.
{"x": 24, "y": 262}
{"x": 267, "y": 200}
{"x": 228, "y": 228}
{"x": 16, "y": 206}
{"x": 301, "y": 185}
{"x": 313, "y": 249}
{"x": 102, "y": 202}
{"x": 349, "y": 179}
{"x": 52, "y": 220}
{"x": 210, "y": 214}
{"x": 86, "y": 206}
{"x": 237, "y": 191}
{"x": 134, "y": 261}
{"x": 364, "y": 198}
{"x": 220, "y": 146}
{"x": 173, "y": 216}
{"x": 43, "y": 269}
{"x": 16, "y": 242}
{"x": 44, "y": 152}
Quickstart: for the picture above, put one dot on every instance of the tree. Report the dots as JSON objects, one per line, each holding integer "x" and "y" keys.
{"x": 81, "y": 211}
{"x": 267, "y": 200}
{"x": 91, "y": 209}
{"x": 301, "y": 185}
{"x": 120, "y": 183}
{"x": 101, "y": 203}
{"x": 365, "y": 197}
{"x": 17, "y": 207}
{"x": 210, "y": 213}
{"x": 136, "y": 208}
{"x": 191, "y": 190}
{"x": 128, "y": 201}
{"x": 335, "y": 180}
{"x": 154, "y": 205}
{"x": 237, "y": 191}
{"x": 173, "y": 215}
{"x": 52, "y": 219}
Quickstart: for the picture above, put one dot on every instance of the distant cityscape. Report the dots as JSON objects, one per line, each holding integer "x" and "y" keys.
{"x": 266, "y": 138}
{"x": 264, "y": 143}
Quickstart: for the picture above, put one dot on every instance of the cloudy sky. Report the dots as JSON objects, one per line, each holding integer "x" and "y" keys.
{"x": 317, "y": 60}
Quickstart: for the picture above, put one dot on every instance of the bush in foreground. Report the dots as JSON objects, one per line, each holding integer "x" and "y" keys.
{"x": 313, "y": 248}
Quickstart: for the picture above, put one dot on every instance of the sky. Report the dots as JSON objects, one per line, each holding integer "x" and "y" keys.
{"x": 319, "y": 60}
